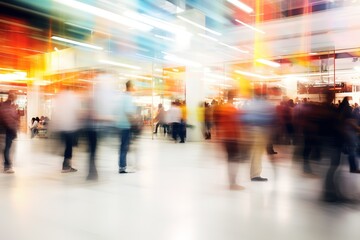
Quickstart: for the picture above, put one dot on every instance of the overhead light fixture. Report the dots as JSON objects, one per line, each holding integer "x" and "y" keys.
{"x": 312, "y": 53}
{"x": 249, "y": 74}
{"x": 165, "y": 38}
{"x": 234, "y": 48}
{"x": 207, "y": 74}
{"x": 182, "y": 61}
{"x": 137, "y": 76}
{"x": 56, "y": 49}
{"x": 208, "y": 37}
{"x": 175, "y": 70}
{"x": 269, "y": 63}
{"x": 241, "y": 6}
{"x": 120, "y": 64}
{"x": 249, "y": 26}
{"x": 76, "y": 43}
{"x": 158, "y": 70}
{"x": 199, "y": 26}
{"x": 105, "y": 14}
{"x": 155, "y": 22}
{"x": 14, "y": 76}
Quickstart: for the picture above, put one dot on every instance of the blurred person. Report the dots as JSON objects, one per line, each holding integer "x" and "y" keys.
{"x": 331, "y": 133}
{"x": 9, "y": 119}
{"x": 259, "y": 117}
{"x": 309, "y": 122}
{"x": 350, "y": 131}
{"x": 160, "y": 119}
{"x": 98, "y": 117}
{"x": 228, "y": 131}
{"x": 208, "y": 120}
{"x": 124, "y": 112}
{"x": 34, "y": 127}
{"x": 174, "y": 119}
{"x": 183, "y": 122}
{"x": 65, "y": 121}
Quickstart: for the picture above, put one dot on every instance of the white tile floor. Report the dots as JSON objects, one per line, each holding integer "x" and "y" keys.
{"x": 179, "y": 192}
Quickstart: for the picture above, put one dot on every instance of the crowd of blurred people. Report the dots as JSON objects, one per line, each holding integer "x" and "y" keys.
{"x": 320, "y": 131}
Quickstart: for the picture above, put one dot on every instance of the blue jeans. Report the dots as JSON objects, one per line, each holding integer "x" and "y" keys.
{"x": 125, "y": 135}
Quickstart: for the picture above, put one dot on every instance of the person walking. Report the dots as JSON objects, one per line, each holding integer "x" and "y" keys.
{"x": 10, "y": 123}
{"x": 125, "y": 111}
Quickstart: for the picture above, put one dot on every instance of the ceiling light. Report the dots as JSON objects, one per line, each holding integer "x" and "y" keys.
{"x": 208, "y": 37}
{"x": 120, "y": 64}
{"x": 175, "y": 70}
{"x": 56, "y": 49}
{"x": 241, "y": 6}
{"x": 199, "y": 26}
{"x": 155, "y": 22}
{"x": 165, "y": 38}
{"x": 250, "y": 74}
{"x": 268, "y": 62}
{"x": 249, "y": 26}
{"x": 76, "y": 43}
{"x": 105, "y": 14}
{"x": 207, "y": 74}
{"x": 137, "y": 76}
{"x": 158, "y": 70}
{"x": 234, "y": 48}
{"x": 182, "y": 61}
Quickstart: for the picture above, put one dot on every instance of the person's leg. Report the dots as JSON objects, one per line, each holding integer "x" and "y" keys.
{"x": 331, "y": 191}
{"x": 259, "y": 146}
{"x": 232, "y": 151}
{"x": 175, "y": 130}
{"x": 306, "y": 154}
{"x": 124, "y": 147}
{"x": 156, "y": 127}
{"x": 182, "y": 131}
{"x": 92, "y": 141}
{"x": 9, "y": 137}
{"x": 68, "y": 140}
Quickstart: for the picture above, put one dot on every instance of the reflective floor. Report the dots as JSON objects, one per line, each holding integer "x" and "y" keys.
{"x": 177, "y": 192}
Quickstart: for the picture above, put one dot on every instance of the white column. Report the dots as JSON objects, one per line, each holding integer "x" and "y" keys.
{"x": 194, "y": 97}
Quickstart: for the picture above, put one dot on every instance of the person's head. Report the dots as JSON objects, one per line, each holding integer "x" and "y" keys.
{"x": 231, "y": 95}
{"x": 160, "y": 105}
{"x": 12, "y": 96}
{"x": 129, "y": 86}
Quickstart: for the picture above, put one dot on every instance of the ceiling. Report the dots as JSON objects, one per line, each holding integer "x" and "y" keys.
{"x": 293, "y": 27}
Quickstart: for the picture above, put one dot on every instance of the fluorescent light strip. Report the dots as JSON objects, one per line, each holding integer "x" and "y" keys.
{"x": 208, "y": 37}
{"x": 155, "y": 22}
{"x": 105, "y": 14}
{"x": 268, "y": 62}
{"x": 241, "y": 6}
{"x": 199, "y": 26}
{"x": 165, "y": 38}
{"x": 234, "y": 48}
{"x": 217, "y": 76}
{"x": 120, "y": 64}
{"x": 137, "y": 76}
{"x": 183, "y": 61}
{"x": 249, "y": 26}
{"x": 250, "y": 74}
{"x": 76, "y": 43}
